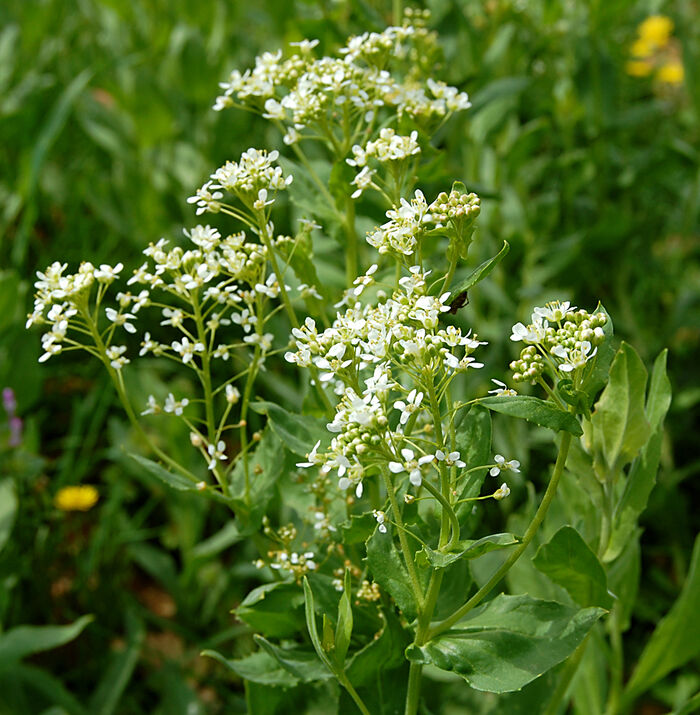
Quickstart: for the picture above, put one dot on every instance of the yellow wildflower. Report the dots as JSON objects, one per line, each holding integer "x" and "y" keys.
{"x": 671, "y": 72}
{"x": 641, "y": 48}
{"x": 639, "y": 68}
{"x": 80, "y": 498}
{"x": 656, "y": 30}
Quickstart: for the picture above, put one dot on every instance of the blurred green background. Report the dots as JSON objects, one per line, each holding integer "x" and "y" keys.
{"x": 590, "y": 172}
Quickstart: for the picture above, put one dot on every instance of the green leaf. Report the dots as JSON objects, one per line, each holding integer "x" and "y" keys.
{"x": 119, "y": 669}
{"x": 358, "y": 528}
{"x": 508, "y": 642}
{"x": 172, "y": 479}
{"x": 479, "y": 273}
{"x": 226, "y": 537}
{"x": 569, "y": 562}
{"x": 41, "y": 681}
{"x": 303, "y": 665}
{"x": 474, "y": 445}
{"x": 659, "y": 397}
{"x": 22, "y": 641}
{"x": 384, "y": 652}
{"x": 467, "y": 549}
{"x": 676, "y": 639}
{"x": 534, "y": 410}
{"x": 343, "y": 628}
{"x": 310, "y": 613}
{"x": 260, "y": 667}
{"x": 299, "y": 433}
{"x": 8, "y": 509}
{"x": 598, "y": 377}
{"x": 389, "y": 571}
{"x": 266, "y": 466}
{"x": 273, "y": 609}
{"x": 620, "y": 426}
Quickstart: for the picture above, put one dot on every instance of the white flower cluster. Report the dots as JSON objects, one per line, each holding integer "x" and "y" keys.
{"x": 251, "y": 179}
{"x": 61, "y": 301}
{"x": 409, "y": 222}
{"x": 373, "y": 71}
{"x": 361, "y": 355}
{"x": 291, "y": 562}
{"x": 560, "y": 335}
{"x": 389, "y": 147}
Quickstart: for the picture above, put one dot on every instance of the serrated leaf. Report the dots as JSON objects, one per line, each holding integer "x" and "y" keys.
{"x": 22, "y": 641}
{"x": 389, "y": 571}
{"x": 570, "y": 563}
{"x": 479, "y": 273}
{"x": 676, "y": 639}
{"x": 508, "y": 642}
{"x": 467, "y": 549}
{"x": 659, "y": 397}
{"x": 534, "y": 410}
{"x": 620, "y": 426}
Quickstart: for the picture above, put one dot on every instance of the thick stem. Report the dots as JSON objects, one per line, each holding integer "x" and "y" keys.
{"x": 518, "y": 552}
{"x": 351, "y": 247}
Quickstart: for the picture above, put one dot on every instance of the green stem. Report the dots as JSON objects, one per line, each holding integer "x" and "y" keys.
{"x": 351, "y": 247}
{"x": 126, "y": 404}
{"x": 616, "y": 665}
{"x": 446, "y": 508}
{"x": 405, "y": 548}
{"x": 518, "y": 552}
{"x": 343, "y": 680}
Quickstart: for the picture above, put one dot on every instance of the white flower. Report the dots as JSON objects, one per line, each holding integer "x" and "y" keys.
{"x": 174, "y": 406}
{"x": 312, "y": 458}
{"x": 414, "y": 400}
{"x": 173, "y": 317}
{"x": 153, "y": 407}
{"x": 502, "y": 492}
{"x": 121, "y": 319}
{"x": 206, "y": 200}
{"x": 502, "y": 390}
{"x": 114, "y": 355}
{"x": 453, "y": 363}
{"x": 186, "y": 349}
{"x": 233, "y": 394}
{"x": 534, "y": 333}
{"x": 575, "y": 357}
{"x": 452, "y": 459}
{"x": 502, "y": 465}
{"x": 216, "y": 453}
{"x": 411, "y": 465}
{"x": 380, "y": 516}
{"x": 554, "y": 311}
{"x": 107, "y": 274}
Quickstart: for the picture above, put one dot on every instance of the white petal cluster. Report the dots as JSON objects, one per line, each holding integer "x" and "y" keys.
{"x": 373, "y": 72}
{"x": 558, "y": 335}
{"x": 371, "y": 346}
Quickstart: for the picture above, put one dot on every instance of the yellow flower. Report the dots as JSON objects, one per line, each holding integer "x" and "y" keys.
{"x": 81, "y": 498}
{"x": 641, "y": 48}
{"x": 656, "y": 30}
{"x": 639, "y": 68}
{"x": 671, "y": 72}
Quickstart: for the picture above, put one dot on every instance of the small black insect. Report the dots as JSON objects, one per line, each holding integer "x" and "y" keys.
{"x": 460, "y": 301}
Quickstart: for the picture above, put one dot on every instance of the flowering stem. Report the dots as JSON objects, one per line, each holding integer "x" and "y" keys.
{"x": 126, "y": 404}
{"x": 518, "y": 552}
{"x": 446, "y": 509}
{"x": 351, "y": 243}
{"x": 405, "y": 548}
